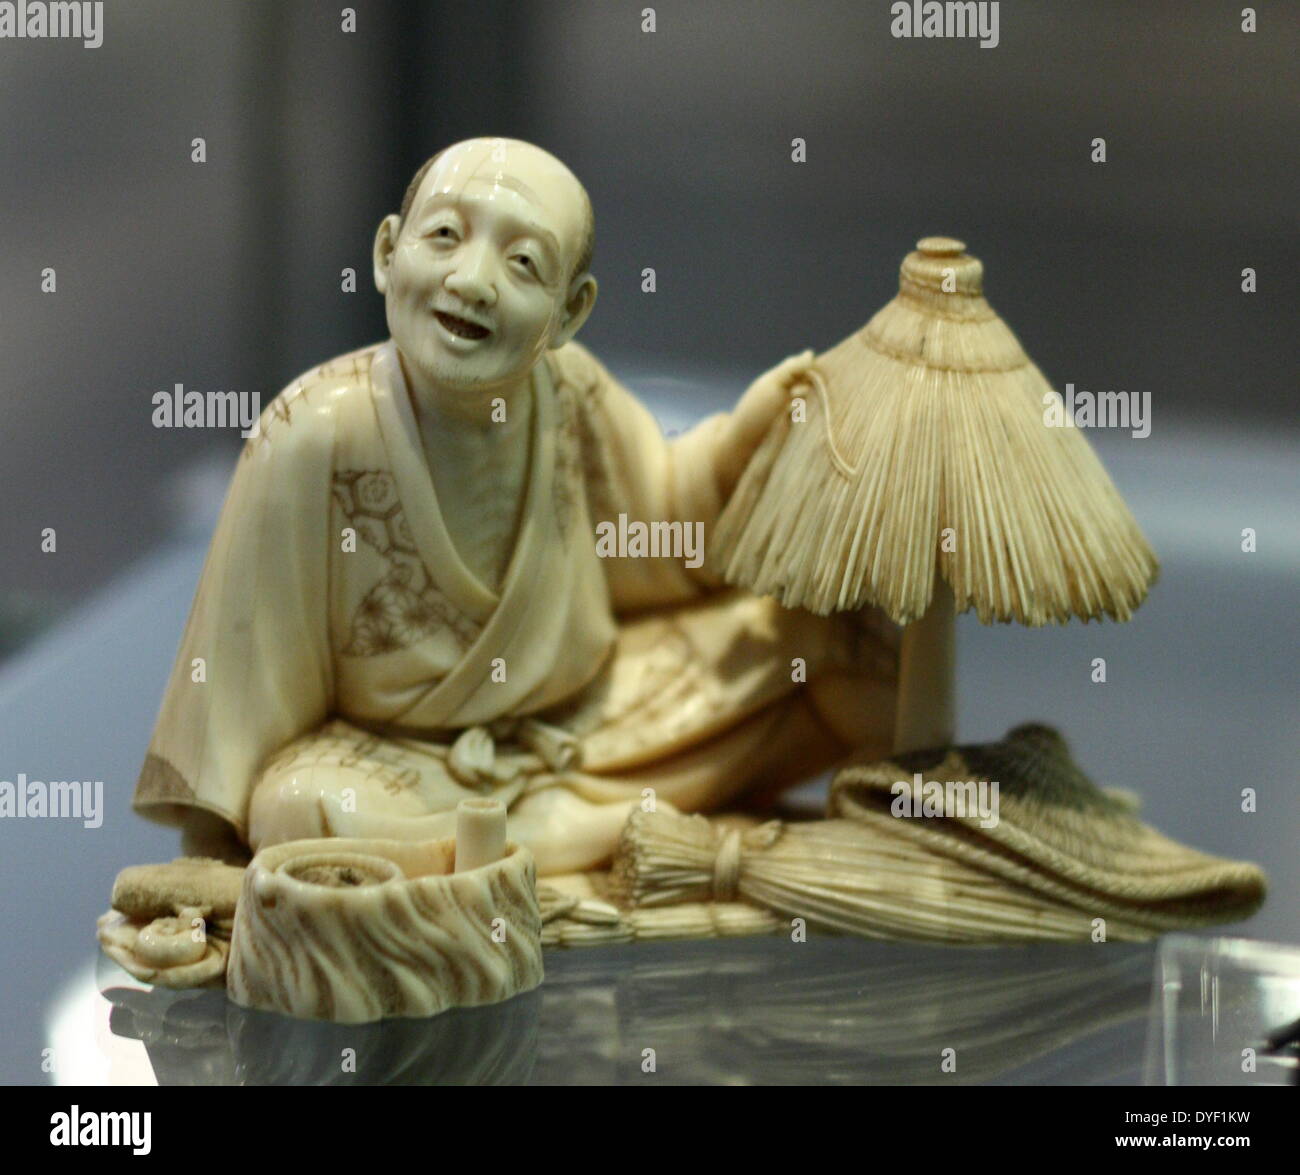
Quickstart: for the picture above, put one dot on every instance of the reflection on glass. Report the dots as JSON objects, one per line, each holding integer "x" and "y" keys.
{"x": 737, "y": 1012}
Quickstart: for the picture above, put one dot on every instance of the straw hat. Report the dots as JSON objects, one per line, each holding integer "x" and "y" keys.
{"x": 1058, "y": 835}
{"x": 932, "y": 418}
{"x": 925, "y": 461}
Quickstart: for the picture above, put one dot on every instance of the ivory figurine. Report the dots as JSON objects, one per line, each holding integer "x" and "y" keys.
{"x": 410, "y": 610}
{"x": 404, "y": 604}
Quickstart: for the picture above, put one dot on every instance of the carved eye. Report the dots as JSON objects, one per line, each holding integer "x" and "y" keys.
{"x": 527, "y": 262}
{"x": 445, "y": 233}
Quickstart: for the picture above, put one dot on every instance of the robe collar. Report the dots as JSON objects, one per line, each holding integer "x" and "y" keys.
{"x": 410, "y": 469}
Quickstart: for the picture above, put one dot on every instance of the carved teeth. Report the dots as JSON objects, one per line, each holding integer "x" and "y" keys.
{"x": 461, "y": 327}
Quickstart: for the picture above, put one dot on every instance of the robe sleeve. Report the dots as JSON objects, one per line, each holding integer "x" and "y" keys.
{"x": 633, "y": 469}
{"x": 254, "y": 669}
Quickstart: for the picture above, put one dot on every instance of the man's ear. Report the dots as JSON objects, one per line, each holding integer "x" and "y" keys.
{"x": 385, "y": 242}
{"x": 577, "y": 306}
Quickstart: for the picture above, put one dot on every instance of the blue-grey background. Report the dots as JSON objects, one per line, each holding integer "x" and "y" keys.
{"x": 226, "y": 275}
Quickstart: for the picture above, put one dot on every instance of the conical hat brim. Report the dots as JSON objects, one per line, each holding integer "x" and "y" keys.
{"x": 1057, "y": 834}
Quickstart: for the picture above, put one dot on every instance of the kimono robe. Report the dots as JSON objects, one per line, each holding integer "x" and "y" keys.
{"x": 339, "y": 648}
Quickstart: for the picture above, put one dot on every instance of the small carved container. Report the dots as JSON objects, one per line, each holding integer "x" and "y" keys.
{"x": 360, "y": 930}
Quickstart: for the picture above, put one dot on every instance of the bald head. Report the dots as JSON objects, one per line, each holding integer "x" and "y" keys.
{"x": 487, "y": 266}
{"x": 501, "y": 161}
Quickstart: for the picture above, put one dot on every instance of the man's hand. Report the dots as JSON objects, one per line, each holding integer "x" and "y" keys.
{"x": 763, "y": 401}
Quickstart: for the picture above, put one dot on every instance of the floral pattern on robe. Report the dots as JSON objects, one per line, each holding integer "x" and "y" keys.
{"x": 405, "y": 606}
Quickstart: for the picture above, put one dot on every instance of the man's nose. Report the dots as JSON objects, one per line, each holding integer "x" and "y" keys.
{"x": 472, "y": 278}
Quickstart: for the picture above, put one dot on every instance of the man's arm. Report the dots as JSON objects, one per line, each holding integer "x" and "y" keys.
{"x": 744, "y": 427}
{"x": 253, "y": 669}
{"x": 633, "y": 469}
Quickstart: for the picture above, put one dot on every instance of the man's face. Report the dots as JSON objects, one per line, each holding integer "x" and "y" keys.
{"x": 477, "y": 281}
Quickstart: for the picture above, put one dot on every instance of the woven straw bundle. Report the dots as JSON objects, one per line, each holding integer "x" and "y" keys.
{"x": 837, "y": 875}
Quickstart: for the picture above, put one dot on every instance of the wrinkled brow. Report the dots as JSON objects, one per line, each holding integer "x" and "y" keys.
{"x": 452, "y": 198}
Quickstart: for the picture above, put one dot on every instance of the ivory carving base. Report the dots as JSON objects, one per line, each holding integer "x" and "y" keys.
{"x": 360, "y": 930}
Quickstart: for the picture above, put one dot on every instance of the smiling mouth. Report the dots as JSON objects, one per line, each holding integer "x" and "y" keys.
{"x": 461, "y": 327}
